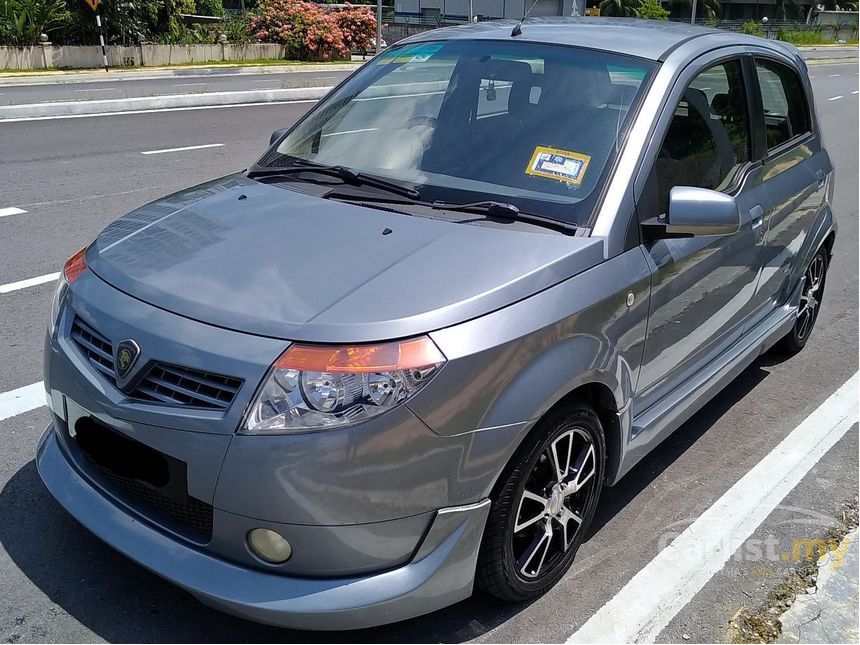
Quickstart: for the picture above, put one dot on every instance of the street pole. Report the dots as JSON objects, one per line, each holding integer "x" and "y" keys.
{"x": 693, "y": 16}
{"x": 471, "y": 11}
{"x": 102, "y": 39}
{"x": 378, "y": 26}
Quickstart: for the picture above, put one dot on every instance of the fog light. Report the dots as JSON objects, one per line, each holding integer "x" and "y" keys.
{"x": 269, "y": 546}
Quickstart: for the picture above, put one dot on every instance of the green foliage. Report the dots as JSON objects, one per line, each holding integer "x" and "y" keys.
{"x": 23, "y": 21}
{"x": 620, "y": 8}
{"x": 800, "y": 36}
{"x": 209, "y": 8}
{"x": 752, "y": 28}
{"x": 652, "y": 10}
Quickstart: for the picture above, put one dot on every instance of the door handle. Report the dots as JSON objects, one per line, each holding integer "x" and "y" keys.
{"x": 757, "y": 219}
{"x": 757, "y": 216}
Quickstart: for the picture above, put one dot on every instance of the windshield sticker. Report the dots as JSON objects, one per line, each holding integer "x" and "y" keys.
{"x": 411, "y": 53}
{"x": 562, "y": 165}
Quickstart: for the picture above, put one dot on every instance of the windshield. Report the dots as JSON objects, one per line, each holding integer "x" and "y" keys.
{"x": 529, "y": 124}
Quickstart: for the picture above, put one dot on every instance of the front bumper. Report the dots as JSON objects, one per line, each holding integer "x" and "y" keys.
{"x": 441, "y": 571}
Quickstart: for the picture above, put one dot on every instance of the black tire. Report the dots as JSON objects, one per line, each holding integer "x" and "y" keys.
{"x": 810, "y": 304}
{"x": 503, "y": 571}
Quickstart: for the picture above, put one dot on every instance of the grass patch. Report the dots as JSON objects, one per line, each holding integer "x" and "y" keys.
{"x": 763, "y": 625}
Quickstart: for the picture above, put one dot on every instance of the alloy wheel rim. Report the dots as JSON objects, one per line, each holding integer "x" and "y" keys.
{"x": 554, "y": 502}
{"x": 811, "y": 298}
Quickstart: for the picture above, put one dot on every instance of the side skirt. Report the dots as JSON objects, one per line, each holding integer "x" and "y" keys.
{"x": 656, "y": 423}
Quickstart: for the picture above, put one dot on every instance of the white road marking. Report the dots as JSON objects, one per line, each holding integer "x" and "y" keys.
{"x": 29, "y": 282}
{"x": 188, "y": 84}
{"x": 183, "y": 149}
{"x": 834, "y": 75}
{"x": 151, "y": 110}
{"x": 5, "y": 212}
{"x": 22, "y": 400}
{"x": 649, "y": 601}
{"x": 855, "y": 91}
{"x": 98, "y": 89}
{"x": 835, "y": 98}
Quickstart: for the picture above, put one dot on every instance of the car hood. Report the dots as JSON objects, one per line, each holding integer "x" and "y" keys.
{"x": 261, "y": 259}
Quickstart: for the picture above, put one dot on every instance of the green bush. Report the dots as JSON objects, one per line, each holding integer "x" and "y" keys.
{"x": 752, "y": 28}
{"x": 803, "y": 36}
{"x": 23, "y": 21}
{"x": 652, "y": 10}
{"x": 209, "y": 8}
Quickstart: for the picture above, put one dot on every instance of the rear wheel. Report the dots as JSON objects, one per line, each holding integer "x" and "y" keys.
{"x": 544, "y": 505}
{"x": 810, "y": 303}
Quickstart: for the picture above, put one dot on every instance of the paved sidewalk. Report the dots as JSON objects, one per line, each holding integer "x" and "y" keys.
{"x": 827, "y": 613}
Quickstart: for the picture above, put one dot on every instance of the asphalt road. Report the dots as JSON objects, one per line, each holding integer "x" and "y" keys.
{"x": 73, "y": 176}
{"x": 87, "y": 87}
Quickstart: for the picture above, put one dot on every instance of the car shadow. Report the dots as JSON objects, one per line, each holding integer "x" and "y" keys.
{"x": 614, "y": 499}
{"x": 123, "y": 602}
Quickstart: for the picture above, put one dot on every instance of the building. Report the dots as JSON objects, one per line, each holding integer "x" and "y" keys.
{"x": 458, "y": 10}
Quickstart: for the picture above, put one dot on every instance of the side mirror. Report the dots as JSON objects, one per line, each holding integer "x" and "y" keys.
{"x": 277, "y": 134}
{"x": 695, "y": 211}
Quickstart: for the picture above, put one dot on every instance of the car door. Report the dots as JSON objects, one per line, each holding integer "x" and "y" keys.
{"x": 794, "y": 173}
{"x": 702, "y": 286}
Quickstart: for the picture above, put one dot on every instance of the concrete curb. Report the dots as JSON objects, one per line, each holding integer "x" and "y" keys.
{"x": 114, "y": 106}
{"x": 10, "y": 77}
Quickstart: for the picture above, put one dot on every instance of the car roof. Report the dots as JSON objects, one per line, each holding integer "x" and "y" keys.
{"x": 651, "y": 39}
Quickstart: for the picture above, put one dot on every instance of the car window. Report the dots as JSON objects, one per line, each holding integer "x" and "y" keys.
{"x": 708, "y": 139}
{"x": 531, "y": 124}
{"x": 786, "y": 114}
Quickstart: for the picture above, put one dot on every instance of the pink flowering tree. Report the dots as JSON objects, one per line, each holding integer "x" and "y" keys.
{"x": 309, "y": 32}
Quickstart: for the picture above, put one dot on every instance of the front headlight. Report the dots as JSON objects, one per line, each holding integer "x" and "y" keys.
{"x": 72, "y": 270}
{"x": 56, "y": 302}
{"x": 314, "y": 387}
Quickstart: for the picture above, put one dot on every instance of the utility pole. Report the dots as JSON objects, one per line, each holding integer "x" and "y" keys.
{"x": 378, "y": 26}
{"x": 693, "y": 15}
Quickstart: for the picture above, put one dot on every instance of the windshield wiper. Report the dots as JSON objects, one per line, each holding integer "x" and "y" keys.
{"x": 504, "y": 210}
{"x": 347, "y": 175}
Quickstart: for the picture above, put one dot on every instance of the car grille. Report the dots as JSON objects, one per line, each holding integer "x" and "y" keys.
{"x": 162, "y": 382}
{"x": 95, "y": 347}
{"x": 182, "y": 386}
{"x": 150, "y": 481}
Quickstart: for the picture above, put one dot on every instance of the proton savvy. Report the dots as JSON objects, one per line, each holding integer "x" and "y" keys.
{"x": 400, "y": 355}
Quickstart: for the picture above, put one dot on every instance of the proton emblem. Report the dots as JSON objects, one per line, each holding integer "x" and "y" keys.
{"x": 127, "y": 352}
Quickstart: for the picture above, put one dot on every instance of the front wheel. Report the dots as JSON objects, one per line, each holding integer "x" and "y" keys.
{"x": 544, "y": 506}
{"x": 810, "y": 303}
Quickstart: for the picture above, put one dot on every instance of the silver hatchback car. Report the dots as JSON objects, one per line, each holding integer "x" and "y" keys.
{"x": 403, "y": 352}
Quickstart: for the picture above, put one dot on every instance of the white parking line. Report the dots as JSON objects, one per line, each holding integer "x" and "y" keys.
{"x": 646, "y": 604}
{"x": 97, "y": 89}
{"x": 183, "y": 149}
{"x": 834, "y": 75}
{"x": 835, "y": 98}
{"x": 188, "y": 84}
{"x": 29, "y": 282}
{"x": 855, "y": 91}
{"x": 12, "y": 210}
{"x": 22, "y": 400}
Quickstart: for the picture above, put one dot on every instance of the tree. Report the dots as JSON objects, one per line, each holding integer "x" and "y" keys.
{"x": 710, "y": 8}
{"x": 23, "y": 21}
{"x": 652, "y": 10}
{"x": 620, "y": 8}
